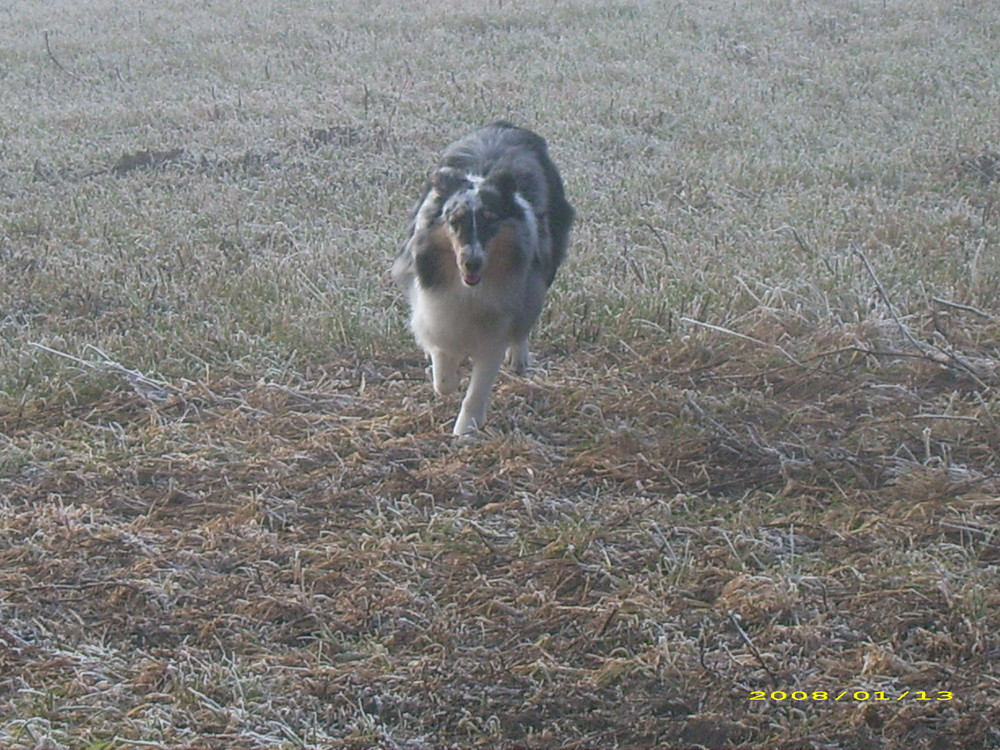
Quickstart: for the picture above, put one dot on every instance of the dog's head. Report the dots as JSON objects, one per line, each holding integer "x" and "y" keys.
{"x": 472, "y": 210}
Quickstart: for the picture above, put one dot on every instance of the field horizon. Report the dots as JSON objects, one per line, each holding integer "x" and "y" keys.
{"x": 747, "y": 496}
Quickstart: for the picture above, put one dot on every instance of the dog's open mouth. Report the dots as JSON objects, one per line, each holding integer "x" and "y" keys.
{"x": 471, "y": 279}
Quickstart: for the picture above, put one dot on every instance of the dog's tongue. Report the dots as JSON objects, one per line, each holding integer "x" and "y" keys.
{"x": 472, "y": 278}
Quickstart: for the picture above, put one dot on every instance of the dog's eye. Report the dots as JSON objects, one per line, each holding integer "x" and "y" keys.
{"x": 455, "y": 217}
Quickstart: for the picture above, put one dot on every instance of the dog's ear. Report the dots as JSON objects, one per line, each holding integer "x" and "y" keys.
{"x": 447, "y": 180}
{"x": 504, "y": 184}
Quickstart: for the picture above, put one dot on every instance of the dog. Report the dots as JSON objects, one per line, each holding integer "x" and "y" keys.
{"x": 485, "y": 241}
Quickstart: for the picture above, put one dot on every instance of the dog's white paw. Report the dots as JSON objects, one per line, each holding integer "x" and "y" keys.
{"x": 466, "y": 427}
{"x": 469, "y": 438}
{"x": 444, "y": 382}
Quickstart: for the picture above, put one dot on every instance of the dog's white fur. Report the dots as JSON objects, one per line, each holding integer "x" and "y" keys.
{"x": 485, "y": 241}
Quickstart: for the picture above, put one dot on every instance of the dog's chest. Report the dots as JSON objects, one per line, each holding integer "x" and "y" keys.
{"x": 458, "y": 318}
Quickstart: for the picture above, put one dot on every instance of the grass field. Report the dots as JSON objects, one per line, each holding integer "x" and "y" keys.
{"x": 759, "y": 451}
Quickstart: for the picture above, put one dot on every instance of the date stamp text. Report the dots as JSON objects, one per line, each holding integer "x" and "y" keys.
{"x": 848, "y": 695}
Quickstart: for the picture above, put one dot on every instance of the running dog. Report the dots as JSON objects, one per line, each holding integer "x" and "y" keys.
{"x": 485, "y": 241}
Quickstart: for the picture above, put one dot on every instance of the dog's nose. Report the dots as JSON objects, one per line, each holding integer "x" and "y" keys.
{"x": 473, "y": 265}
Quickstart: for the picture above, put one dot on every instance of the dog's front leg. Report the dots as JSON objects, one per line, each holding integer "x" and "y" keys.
{"x": 484, "y": 373}
{"x": 444, "y": 371}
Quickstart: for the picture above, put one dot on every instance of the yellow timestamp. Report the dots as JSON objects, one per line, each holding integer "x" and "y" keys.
{"x": 851, "y": 695}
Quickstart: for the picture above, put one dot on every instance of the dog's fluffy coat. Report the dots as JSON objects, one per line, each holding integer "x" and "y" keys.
{"x": 485, "y": 241}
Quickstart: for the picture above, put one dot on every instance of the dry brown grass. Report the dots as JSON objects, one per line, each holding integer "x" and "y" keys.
{"x": 760, "y": 452}
{"x": 644, "y": 539}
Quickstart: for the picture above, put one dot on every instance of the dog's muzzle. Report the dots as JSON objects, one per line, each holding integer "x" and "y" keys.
{"x": 471, "y": 264}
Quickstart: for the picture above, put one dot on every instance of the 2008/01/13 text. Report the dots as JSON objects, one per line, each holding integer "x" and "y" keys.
{"x": 848, "y": 695}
